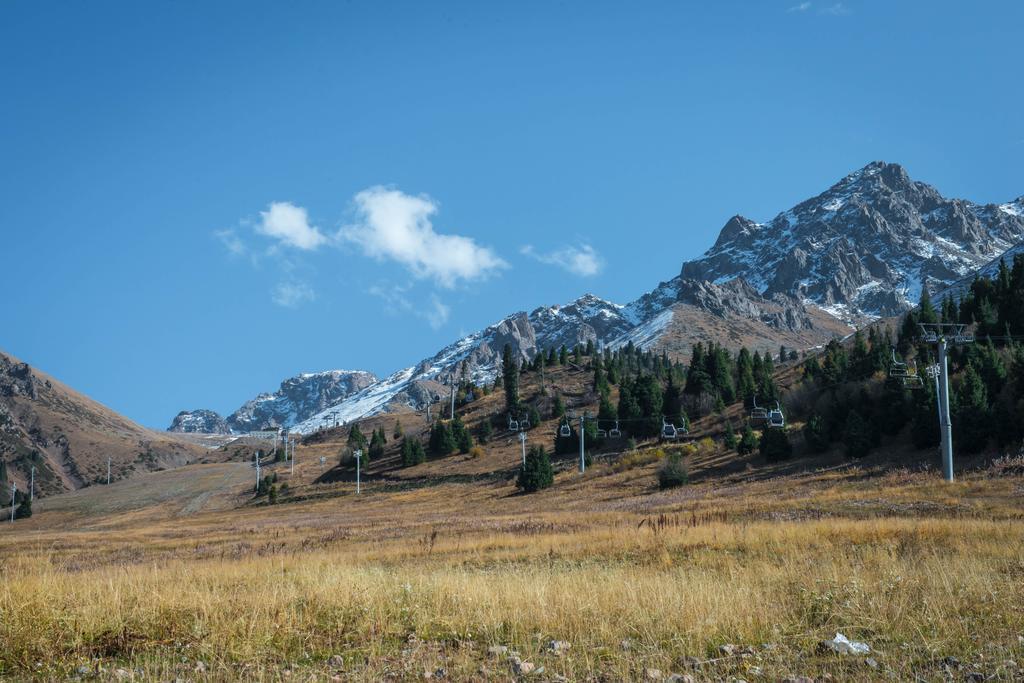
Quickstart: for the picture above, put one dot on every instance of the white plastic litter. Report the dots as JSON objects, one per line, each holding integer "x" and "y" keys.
{"x": 844, "y": 646}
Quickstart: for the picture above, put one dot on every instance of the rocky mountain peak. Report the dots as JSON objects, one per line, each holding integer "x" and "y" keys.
{"x": 200, "y": 421}
{"x": 864, "y": 247}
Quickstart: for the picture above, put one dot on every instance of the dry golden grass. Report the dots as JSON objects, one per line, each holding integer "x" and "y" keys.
{"x": 403, "y": 581}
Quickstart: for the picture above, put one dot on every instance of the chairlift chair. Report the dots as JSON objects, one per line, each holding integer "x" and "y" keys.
{"x": 565, "y": 431}
{"x": 775, "y": 416}
{"x": 757, "y": 412}
{"x": 668, "y": 430}
{"x": 913, "y": 380}
{"x": 524, "y": 423}
{"x": 602, "y": 433}
{"x": 898, "y": 367}
{"x": 930, "y": 337}
{"x": 614, "y": 431}
{"x": 513, "y": 425}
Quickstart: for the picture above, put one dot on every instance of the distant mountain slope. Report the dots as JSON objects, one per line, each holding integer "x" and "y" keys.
{"x": 295, "y": 400}
{"x": 68, "y": 437}
{"x": 864, "y": 247}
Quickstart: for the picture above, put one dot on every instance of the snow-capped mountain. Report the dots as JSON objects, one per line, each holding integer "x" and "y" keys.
{"x": 476, "y": 357}
{"x": 297, "y": 398}
{"x": 588, "y": 318}
{"x": 201, "y": 421}
{"x": 862, "y": 249}
{"x": 865, "y": 247}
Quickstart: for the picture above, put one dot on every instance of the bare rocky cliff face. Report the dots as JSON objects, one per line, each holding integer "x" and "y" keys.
{"x": 199, "y": 421}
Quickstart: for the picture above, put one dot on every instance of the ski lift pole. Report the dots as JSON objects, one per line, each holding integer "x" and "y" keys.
{"x": 522, "y": 440}
{"x": 947, "y": 428}
{"x": 358, "y": 455}
{"x": 14, "y": 493}
{"x": 583, "y": 462}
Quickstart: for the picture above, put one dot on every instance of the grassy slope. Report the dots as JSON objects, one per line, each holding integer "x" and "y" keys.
{"x": 433, "y": 564}
{"x": 76, "y": 435}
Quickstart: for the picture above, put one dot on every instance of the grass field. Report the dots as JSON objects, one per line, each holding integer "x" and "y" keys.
{"x": 192, "y": 580}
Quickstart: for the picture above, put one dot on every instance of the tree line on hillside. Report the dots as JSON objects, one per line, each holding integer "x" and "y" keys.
{"x": 987, "y": 376}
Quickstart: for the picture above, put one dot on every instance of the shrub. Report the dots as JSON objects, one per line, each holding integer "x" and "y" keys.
{"x": 477, "y": 452}
{"x": 536, "y": 474}
{"x": 673, "y": 472}
{"x": 637, "y": 458}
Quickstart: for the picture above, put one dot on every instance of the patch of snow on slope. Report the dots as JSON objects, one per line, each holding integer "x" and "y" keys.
{"x": 1014, "y": 208}
{"x": 647, "y": 333}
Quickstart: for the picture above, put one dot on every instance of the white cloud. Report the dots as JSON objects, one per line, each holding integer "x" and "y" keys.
{"x": 393, "y": 225}
{"x": 292, "y": 294}
{"x": 289, "y": 224}
{"x": 583, "y": 260}
{"x": 836, "y": 10}
{"x": 436, "y": 313}
{"x": 802, "y": 7}
{"x": 231, "y": 241}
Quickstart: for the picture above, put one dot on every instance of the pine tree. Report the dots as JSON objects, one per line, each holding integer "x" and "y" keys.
{"x": 536, "y": 473}
{"x": 356, "y": 438}
{"x": 486, "y": 430}
{"x": 24, "y": 509}
{"x": 730, "y": 441}
{"x": 441, "y": 442}
{"x": 816, "y": 434}
{"x": 972, "y": 418}
{"x": 748, "y": 442}
{"x": 557, "y": 406}
{"x": 590, "y": 348}
{"x": 510, "y": 377}
{"x": 775, "y": 446}
{"x": 926, "y": 311}
{"x": 533, "y": 415}
{"x": 376, "y": 449}
{"x": 563, "y": 356}
{"x": 745, "y": 386}
{"x": 857, "y": 435}
{"x": 397, "y": 433}
{"x": 924, "y": 427}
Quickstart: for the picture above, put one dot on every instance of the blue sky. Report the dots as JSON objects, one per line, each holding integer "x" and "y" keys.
{"x": 199, "y": 199}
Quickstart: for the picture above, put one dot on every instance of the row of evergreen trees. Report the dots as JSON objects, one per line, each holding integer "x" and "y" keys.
{"x": 987, "y": 377}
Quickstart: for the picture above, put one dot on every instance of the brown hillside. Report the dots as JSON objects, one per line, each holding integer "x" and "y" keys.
{"x": 68, "y": 436}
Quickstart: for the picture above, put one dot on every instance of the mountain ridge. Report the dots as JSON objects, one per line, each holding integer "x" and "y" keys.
{"x": 860, "y": 250}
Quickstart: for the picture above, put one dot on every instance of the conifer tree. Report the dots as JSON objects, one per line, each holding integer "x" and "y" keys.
{"x": 536, "y": 473}
{"x": 748, "y": 441}
{"x": 397, "y": 433}
{"x": 972, "y": 417}
{"x": 775, "y": 446}
{"x": 730, "y": 441}
{"x": 441, "y": 441}
{"x": 857, "y": 435}
{"x": 356, "y": 438}
{"x": 510, "y": 377}
{"x": 563, "y": 356}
